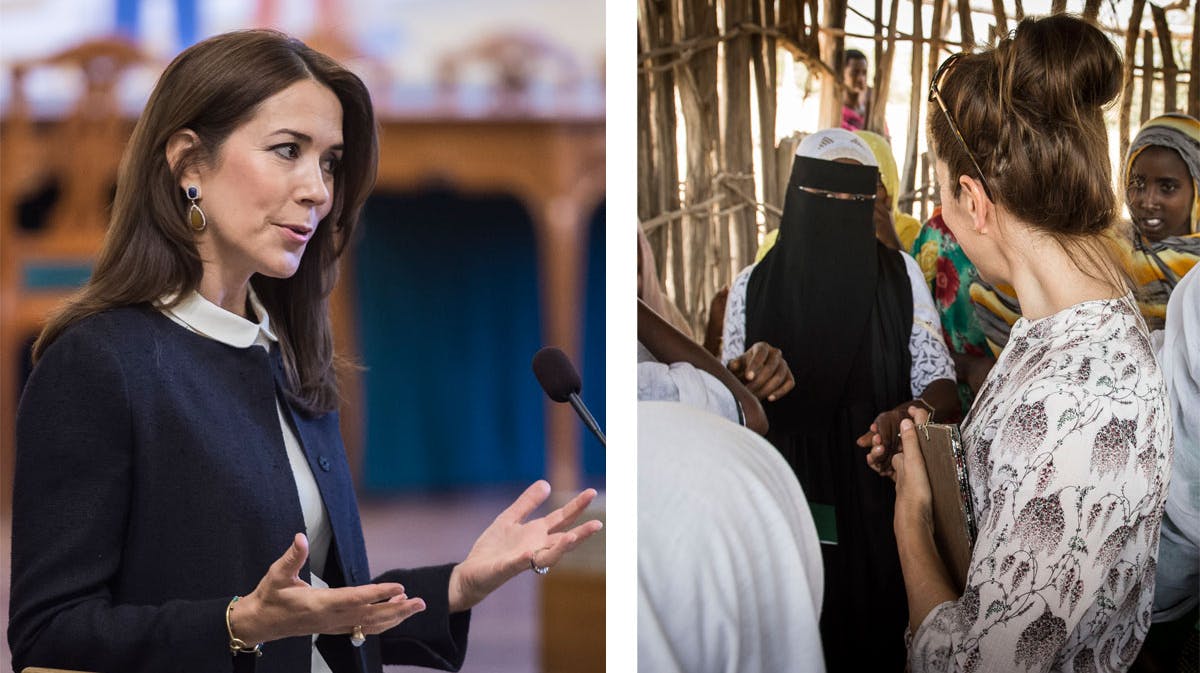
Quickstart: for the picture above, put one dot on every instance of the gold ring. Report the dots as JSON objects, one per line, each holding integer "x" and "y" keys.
{"x": 356, "y": 637}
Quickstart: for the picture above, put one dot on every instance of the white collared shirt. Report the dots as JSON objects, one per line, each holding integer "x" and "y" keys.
{"x": 209, "y": 320}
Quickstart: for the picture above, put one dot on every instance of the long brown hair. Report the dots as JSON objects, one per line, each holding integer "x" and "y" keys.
{"x": 150, "y": 252}
{"x": 1031, "y": 110}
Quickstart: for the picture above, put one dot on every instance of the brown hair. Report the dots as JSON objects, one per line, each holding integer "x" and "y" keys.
{"x": 1031, "y": 111}
{"x": 150, "y": 251}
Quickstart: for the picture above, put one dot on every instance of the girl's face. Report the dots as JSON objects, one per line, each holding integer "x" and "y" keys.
{"x": 272, "y": 183}
{"x": 1159, "y": 192}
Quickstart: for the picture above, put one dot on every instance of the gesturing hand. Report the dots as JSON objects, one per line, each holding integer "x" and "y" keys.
{"x": 510, "y": 543}
{"x": 283, "y": 605}
{"x": 764, "y": 371}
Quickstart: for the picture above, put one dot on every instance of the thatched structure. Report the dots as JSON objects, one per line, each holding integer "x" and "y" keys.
{"x": 709, "y": 64}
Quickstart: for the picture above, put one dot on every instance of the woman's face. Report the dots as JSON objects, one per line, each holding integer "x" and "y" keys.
{"x": 981, "y": 250}
{"x": 1159, "y": 193}
{"x": 272, "y": 183}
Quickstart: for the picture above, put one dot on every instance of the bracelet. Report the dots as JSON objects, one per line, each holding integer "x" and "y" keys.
{"x": 237, "y": 645}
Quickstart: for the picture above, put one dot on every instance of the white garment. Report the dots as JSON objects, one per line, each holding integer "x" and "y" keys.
{"x": 683, "y": 382}
{"x": 834, "y": 144}
{"x": 729, "y": 567}
{"x": 1068, "y": 449}
{"x": 1179, "y": 551}
{"x": 207, "y": 319}
{"x": 930, "y": 358}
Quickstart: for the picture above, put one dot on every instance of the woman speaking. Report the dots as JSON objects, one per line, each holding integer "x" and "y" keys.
{"x": 182, "y": 497}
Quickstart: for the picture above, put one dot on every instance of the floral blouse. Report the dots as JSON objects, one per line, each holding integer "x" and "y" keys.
{"x": 1068, "y": 449}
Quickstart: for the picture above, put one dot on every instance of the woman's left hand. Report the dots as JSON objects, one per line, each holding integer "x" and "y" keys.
{"x": 510, "y": 545}
{"x": 914, "y": 498}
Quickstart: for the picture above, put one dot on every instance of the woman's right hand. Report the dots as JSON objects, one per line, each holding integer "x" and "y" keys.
{"x": 763, "y": 371}
{"x": 283, "y": 605}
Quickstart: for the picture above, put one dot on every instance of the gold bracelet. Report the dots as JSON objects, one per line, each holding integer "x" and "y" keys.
{"x": 237, "y": 645}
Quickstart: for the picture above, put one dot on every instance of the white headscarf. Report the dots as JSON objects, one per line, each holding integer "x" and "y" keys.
{"x": 683, "y": 382}
{"x": 834, "y": 144}
{"x": 729, "y": 565}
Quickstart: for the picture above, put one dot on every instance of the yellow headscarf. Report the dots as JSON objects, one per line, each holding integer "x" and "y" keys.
{"x": 907, "y": 226}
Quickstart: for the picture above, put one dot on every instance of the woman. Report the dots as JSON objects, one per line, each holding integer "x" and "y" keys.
{"x": 895, "y": 228}
{"x": 950, "y": 275}
{"x": 857, "y": 327}
{"x": 1162, "y": 183}
{"x": 1069, "y": 442}
{"x": 179, "y": 432}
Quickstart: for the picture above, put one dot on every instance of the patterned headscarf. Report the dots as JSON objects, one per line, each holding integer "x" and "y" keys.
{"x": 907, "y": 226}
{"x": 1181, "y": 133}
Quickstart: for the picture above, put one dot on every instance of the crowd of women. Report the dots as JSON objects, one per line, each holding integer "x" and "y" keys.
{"x": 1076, "y": 403}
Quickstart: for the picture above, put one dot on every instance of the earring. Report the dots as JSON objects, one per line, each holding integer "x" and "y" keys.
{"x": 196, "y": 217}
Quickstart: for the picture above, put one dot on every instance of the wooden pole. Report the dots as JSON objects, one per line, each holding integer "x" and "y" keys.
{"x": 832, "y": 46}
{"x": 1193, "y": 94}
{"x": 965, "y": 27}
{"x": 915, "y": 102}
{"x": 1147, "y": 74}
{"x": 1018, "y": 11}
{"x": 739, "y": 145}
{"x": 877, "y": 118}
{"x": 1131, "y": 36}
{"x": 660, "y": 32}
{"x": 765, "y": 69}
{"x": 1170, "y": 70}
{"x": 1001, "y": 18}
{"x": 1091, "y": 10}
{"x": 697, "y": 82}
{"x": 1058, "y": 6}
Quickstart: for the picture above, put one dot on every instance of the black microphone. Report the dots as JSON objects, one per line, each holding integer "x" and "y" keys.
{"x": 560, "y": 380}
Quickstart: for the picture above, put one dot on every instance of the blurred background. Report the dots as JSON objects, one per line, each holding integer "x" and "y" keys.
{"x": 483, "y": 241}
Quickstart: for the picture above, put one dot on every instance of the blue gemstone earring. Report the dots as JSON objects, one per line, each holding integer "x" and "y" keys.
{"x": 196, "y": 217}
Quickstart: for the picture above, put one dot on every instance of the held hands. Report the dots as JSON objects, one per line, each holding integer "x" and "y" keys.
{"x": 906, "y": 467}
{"x": 764, "y": 371}
{"x": 883, "y": 439}
{"x": 511, "y": 545}
{"x": 283, "y": 605}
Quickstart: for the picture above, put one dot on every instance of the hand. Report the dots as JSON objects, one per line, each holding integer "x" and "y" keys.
{"x": 508, "y": 545}
{"x": 914, "y": 498}
{"x": 764, "y": 371}
{"x": 882, "y": 438}
{"x": 283, "y": 605}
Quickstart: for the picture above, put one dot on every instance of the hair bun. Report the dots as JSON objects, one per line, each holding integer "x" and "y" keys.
{"x": 1061, "y": 63}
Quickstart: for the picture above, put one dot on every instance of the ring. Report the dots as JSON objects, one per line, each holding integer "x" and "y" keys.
{"x": 356, "y": 637}
{"x": 541, "y": 570}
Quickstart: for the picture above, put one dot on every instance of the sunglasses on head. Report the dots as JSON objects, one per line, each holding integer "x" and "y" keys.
{"x": 936, "y": 96}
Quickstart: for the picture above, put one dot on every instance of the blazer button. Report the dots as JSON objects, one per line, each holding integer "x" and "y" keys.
{"x": 324, "y": 463}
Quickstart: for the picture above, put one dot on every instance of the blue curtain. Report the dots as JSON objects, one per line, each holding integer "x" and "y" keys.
{"x": 449, "y": 316}
{"x": 593, "y": 365}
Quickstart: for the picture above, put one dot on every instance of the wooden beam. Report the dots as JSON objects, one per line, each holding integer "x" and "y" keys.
{"x": 832, "y": 47}
{"x": 765, "y": 73}
{"x": 965, "y": 27}
{"x": 1170, "y": 70}
{"x": 1131, "y": 37}
{"x": 1058, "y": 6}
{"x": 742, "y": 231}
{"x": 877, "y": 114}
{"x": 916, "y": 102}
{"x": 1091, "y": 10}
{"x": 1001, "y": 18}
{"x": 1147, "y": 74}
{"x": 1193, "y": 94}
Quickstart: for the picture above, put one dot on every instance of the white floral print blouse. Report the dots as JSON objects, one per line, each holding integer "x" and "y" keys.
{"x": 1068, "y": 448}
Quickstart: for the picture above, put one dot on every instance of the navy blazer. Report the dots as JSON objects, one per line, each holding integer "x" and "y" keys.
{"x": 152, "y": 485}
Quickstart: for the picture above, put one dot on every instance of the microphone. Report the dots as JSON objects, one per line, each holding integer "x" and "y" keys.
{"x": 560, "y": 380}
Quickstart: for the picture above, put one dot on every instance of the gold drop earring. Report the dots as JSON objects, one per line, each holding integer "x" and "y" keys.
{"x": 196, "y": 218}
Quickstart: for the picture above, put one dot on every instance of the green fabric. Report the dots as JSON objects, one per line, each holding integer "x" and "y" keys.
{"x": 950, "y": 273}
{"x": 826, "y": 521}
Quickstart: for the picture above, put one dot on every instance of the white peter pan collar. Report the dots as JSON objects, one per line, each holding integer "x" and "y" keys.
{"x": 207, "y": 319}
